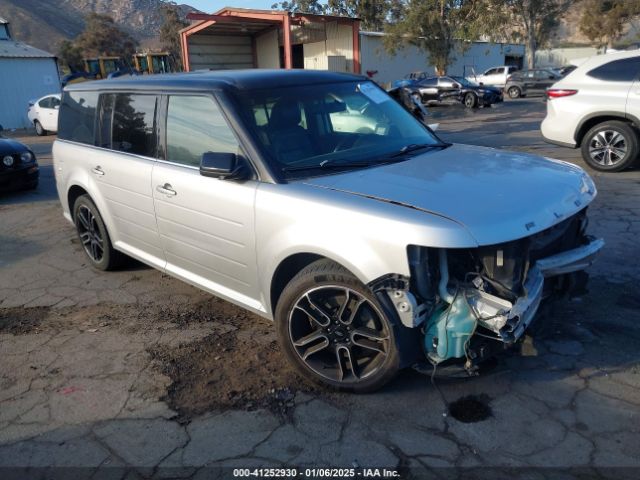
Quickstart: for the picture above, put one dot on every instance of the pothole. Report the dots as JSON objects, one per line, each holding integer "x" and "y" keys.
{"x": 471, "y": 408}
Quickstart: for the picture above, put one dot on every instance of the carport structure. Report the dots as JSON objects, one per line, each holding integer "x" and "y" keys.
{"x": 241, "y": 38}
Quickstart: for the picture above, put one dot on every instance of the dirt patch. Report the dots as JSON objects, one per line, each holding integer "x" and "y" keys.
{"x": 242, "y": 368}
{"x": 21, "y": 321}
{"x": 471, "y": 408}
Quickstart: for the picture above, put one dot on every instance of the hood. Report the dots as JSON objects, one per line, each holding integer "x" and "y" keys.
{"x": 498, "y": 196}
{"x": 8, "y": 146}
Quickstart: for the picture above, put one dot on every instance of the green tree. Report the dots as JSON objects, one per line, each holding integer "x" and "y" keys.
{"x": 70, "y": 55}
{"x": 172, "y": 23}
{"x": 438, "y": 27}
{"x": 603, "y": 21}
{"x": 302, "y": 6}
{"x": 530, "y": 20}
{"x": 373, "y": 13}
{"x": 101, "y": 36}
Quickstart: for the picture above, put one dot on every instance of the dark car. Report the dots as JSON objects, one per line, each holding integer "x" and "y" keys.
{"x": 523, "y": 82}
{"x": 18, "y": 166}
{"x": 457, "y": 89}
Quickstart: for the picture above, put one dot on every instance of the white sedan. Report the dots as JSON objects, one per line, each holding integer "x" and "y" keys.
{"x": 43, "y": 113}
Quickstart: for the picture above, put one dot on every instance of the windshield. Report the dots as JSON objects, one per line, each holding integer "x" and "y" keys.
{"x": 341, "y": 125}
{"x": 464, "y": 82}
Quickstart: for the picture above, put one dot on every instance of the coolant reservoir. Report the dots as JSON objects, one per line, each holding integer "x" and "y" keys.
{"x": 448, "y": 330}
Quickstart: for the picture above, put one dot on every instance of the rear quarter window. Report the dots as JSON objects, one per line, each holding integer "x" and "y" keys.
{"x": 623, "y": 70}
{"x": 77, "y": 117}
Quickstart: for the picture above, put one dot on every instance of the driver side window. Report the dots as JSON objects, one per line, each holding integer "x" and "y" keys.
{"x": 195, "y": 125}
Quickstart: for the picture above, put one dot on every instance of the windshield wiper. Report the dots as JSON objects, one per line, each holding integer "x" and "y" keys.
{"x": 328, "y": 164}
{"x": 412, "y": 147}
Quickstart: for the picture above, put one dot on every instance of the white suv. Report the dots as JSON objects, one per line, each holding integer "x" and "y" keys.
{"x": 597, "y": 108}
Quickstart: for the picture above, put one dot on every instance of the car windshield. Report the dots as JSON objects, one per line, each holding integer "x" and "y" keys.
{"x": 314, "y": 130}
{"x": 464, "y": 82}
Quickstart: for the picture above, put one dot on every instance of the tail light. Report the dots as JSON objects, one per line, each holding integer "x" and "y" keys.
{"x": 559, "y": 93}
{"x": 509, "y": 78}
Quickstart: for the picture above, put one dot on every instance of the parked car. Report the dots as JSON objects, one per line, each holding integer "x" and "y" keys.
{"x": 367, "y": 249}
{"x": 596, "y": 108}
{"x": 18, "y": 166}
{"x": 457, "y": 89}
{"x": 495, "y": 76}
{"x": 523, "y": 82}
{"x": 43, "y": 113}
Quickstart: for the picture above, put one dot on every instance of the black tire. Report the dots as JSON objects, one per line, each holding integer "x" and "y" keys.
{"x": 610, "y": 146}
{"x": 470, "y": 100}
{"x": 339, "y": 340}
{"x": 41, "y": 132}
{"x": 88, "y": 222}
{"x": 514, "y": 92}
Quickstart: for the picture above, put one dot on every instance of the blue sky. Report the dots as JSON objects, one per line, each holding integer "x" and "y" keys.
{"x": 210, "y": 6}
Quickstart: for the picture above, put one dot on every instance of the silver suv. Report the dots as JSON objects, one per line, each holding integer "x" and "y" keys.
{"x": 373, "y": 246}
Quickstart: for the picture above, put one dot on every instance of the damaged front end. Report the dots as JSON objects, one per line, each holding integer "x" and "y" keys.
{"x": 471, "y": 302}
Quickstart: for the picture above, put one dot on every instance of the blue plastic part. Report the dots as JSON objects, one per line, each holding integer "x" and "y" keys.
{"x": 448, "y": 330}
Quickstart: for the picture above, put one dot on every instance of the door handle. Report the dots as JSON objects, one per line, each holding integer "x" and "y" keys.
{"x": 166, "y": 189}
{"x": 98, "y": 170}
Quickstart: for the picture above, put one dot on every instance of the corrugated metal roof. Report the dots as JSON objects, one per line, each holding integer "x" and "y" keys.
{"x": 12, "y": 49}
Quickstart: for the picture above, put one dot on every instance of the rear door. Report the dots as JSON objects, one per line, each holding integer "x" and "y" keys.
{"x": 121, "y": 167}
{"x": 206, "y": 224}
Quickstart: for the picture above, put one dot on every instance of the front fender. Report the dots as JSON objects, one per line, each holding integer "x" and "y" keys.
{"x": 366, "y": 236}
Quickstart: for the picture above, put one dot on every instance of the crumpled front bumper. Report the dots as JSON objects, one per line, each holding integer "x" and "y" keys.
{"x": 510, "y": 320}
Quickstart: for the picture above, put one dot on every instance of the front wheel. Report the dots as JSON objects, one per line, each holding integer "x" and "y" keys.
{"x": 470, "y": 100}
{"x": 610, "y": 146}
{"x": 334, "y": 331}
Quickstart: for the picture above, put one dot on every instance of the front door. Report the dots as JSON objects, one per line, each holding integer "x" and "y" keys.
{"x": 206, "y": 224}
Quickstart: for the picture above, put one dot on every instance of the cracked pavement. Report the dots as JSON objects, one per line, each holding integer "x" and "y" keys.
{"x": 78, "y": 387}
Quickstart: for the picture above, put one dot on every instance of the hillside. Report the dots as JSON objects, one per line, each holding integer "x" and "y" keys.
{"x": 45, "y": 23}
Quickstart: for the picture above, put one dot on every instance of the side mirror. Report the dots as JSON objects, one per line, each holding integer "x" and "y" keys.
{"x": 551, "y": 77}
{"x": 222, "y": 166}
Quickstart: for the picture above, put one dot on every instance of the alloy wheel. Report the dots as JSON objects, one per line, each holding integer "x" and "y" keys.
{"x": 89, "y": 233}
{"x": 608, "y": 147}
{"x": 339, "y": 333}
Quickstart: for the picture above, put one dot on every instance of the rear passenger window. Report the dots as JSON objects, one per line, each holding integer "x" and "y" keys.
{"x": 624, "y": 70}
{"x": 195, "y": 125}
{"x": 77, "y": 116}
{"x": 133, "y": 124}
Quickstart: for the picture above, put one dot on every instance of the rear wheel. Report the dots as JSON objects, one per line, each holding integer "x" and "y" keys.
{"x": 610, "y": 146}
{"x": 470, "y": 100}
{"x": 514, "y": 92}
{"x": 94, "y": 236}
{"x": 334, "y": 331}
{"x": 39, "y": 130}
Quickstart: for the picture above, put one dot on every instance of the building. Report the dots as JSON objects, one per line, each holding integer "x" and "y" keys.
{"x": 241, "y": 38}
{"x": 472, "y": 57}
{"x": 26, "y": 73}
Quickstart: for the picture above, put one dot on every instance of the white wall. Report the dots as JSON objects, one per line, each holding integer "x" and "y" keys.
{"x": 339, "y": 43}
{"x": 559, "y": 57}
{"x": 479, "y": 56}
{"x": 21, "y": 80}
{"x": 219, "y": 52}
{"x": 267, "y": 50}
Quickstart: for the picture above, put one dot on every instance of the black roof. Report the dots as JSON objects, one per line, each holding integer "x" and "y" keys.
{"x": 218, "y": 79}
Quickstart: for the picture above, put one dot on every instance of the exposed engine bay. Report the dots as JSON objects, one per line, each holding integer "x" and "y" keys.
{"x": 467, "y": 302}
